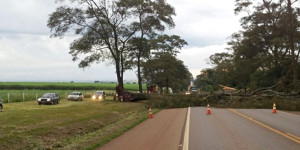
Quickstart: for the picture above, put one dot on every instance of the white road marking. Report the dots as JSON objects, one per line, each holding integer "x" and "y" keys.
{"x": 187, "y": 131}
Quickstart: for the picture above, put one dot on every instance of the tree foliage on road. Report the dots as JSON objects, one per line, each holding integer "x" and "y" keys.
{"x": 266, "y": 51}
{"x": 119, "y": 31}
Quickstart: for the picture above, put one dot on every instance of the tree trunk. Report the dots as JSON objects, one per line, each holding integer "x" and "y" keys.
{"x": 139, "y": 75}
{"x": 167, "y": 80}
{"x": 119, "y": 75}
{"x": 291, "y": 41}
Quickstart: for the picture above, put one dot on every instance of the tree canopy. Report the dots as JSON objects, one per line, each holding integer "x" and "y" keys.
{"x": 266, "y": 51}
{"x": 165, "y": 70}
{"x": 110, "y": 30}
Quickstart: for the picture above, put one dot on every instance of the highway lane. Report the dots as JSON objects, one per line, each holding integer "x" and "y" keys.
{"x": 162, "y": 132}
{"x": 282, "y": 121}
{"x": 226, "y": 129}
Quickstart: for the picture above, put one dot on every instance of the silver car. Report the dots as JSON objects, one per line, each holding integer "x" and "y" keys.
{"x": 75, "y": 96}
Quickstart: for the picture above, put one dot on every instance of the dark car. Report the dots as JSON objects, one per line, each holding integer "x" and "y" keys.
{"x": 75, "y": 96}
{"x": 49, "y": 98}
{"x": 100, "y": 95}
{"x": 1, "y": 105}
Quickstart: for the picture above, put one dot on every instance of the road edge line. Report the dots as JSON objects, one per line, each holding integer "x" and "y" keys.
{"x": 187, "y": 131}
{"x": 289, "y": 113}
{"x": 266, "y": 126}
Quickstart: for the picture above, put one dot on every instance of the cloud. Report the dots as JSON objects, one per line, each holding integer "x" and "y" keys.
{"x": 28, "y": 16}
{"x": 25, "y": 57}
{"x": 195, "y": 58}
{"x": 28, "y": 54}
{"x": 202, "y": 23}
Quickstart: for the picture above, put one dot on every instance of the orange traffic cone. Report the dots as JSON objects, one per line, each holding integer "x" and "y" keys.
{"x": 207, "y": 110}
{"x": 274, "y": 109}
{"x": 150, "y": 113}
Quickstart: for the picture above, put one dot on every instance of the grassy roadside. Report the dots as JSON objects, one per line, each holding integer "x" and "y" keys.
{"x": 68, "y": 125}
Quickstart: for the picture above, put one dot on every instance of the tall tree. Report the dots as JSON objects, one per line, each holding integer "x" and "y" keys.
{"x": 153, "y": 17}
{"x": 103, "y": 28}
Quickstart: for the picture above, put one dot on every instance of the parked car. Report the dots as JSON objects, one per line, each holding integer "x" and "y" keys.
{"x": 75, "y": 96}
{"x": 1, "y": 105}
{"x": 100, "y": 95}
{"x": 49, "y": 98}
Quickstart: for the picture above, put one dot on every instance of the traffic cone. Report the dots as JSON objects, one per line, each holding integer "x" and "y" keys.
{"x": 150, "y": 113}
{"x": 274, "y": 108}
{"x": 208, "y": 110}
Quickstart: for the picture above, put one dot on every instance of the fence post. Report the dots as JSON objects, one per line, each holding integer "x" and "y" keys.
{"x": 7, "y": 97}
{"x": 23, "y": 96}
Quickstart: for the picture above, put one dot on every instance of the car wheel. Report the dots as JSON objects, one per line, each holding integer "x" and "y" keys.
{"x": 39, "y": 103}
{"x": 1, "y": 107}
{"x": 57, "y": 102}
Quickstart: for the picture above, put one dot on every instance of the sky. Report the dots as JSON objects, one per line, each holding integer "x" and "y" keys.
{"x": 27, "y": 53}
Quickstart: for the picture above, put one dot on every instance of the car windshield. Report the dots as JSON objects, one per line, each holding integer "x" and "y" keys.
{"x": 99, "y": 92}
{"x": 48, "y": 95}
{"x": 75, "y": 93}
{"x": 194, "y": 88}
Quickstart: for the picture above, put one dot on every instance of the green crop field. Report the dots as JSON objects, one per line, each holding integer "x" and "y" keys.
{"x": 28, "y": 91}
{"x": 68, "y": 125}
{"x": 64, "y": 86}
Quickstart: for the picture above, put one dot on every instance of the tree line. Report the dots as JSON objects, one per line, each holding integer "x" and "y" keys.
{"x": 264, "y": 53}
{"x": 127, "y": 33}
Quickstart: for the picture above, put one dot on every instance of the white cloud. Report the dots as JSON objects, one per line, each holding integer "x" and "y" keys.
{"x": 25, "y": 16}
{"x": 203, "y": 22}
{"x": 195, "y": 58}
{"x": 28, "y": 54}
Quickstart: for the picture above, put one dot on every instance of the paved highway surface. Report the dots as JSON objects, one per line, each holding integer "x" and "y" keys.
{"x": 224, "y": 129}
{"x": 236, "y": 129}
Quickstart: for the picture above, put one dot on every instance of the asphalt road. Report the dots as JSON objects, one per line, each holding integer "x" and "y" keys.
{"x": 224, "y": 129}
{"x": 162, "y": 132}
{"x": 236, "y": 129}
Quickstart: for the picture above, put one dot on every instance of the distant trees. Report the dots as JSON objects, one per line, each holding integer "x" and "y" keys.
{"x": 165, "y": 70}
{"x": 266, "y": 51}
{"x": 120, "y": 31}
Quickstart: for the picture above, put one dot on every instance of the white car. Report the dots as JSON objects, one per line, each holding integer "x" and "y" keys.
{"x": 75, "y": 96}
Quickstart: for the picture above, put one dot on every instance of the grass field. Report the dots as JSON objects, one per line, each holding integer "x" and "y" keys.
{"x": 68, "y": 125}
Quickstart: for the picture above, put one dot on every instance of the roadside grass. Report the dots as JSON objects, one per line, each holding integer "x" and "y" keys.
{"x": 68, "y": 125}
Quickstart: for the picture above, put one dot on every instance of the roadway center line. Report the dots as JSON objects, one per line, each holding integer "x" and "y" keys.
{"x": 296, "y": 137}
{"x": 289, "y": 136}
{"x": 187, "y": 131}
